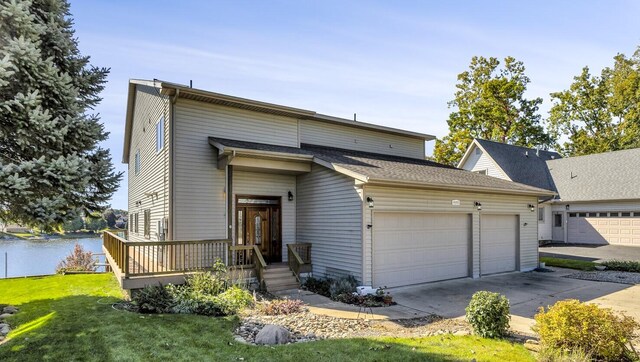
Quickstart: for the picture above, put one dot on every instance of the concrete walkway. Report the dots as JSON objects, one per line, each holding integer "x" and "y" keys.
{"x": 527, "y": 292}
{"x": 591, "y": 252}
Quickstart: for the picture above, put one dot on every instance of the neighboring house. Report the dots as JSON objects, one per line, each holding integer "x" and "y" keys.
{"x": 598, "y": 198}
{"x": 204, "y": 165}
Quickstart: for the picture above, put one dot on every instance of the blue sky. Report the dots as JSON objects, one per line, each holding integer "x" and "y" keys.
{"x": 393, "y": 63}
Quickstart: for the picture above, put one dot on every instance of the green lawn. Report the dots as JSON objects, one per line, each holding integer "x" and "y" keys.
{"x": 70, "y": 318}
{"x": 569, "y": 263}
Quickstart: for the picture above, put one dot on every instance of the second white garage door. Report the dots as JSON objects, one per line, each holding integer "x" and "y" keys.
{"x": 603, "y": 228}
{"x": 412, "y": 248}
{"x": 498, "y": 243}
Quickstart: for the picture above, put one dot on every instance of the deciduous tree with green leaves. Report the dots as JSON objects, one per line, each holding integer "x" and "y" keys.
{"x": 490, "y": 103}
{"x": 599, "y": 113}
{"x": 51, "y": 165}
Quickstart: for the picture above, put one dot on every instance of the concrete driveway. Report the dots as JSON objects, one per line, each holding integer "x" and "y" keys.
{"x": 591, "y": 252}
{"x": 526, "y": 292}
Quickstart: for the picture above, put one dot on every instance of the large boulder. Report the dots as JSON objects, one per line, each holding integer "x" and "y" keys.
{"x": 4, "y": 329}
{"x": 5, "y": 315}
{"x": 273, "y": 334}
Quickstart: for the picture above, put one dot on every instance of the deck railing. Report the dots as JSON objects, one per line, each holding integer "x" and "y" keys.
{"x": 248, "y": 256}
{"x": 163, "y": 257}
{"x": 299, "y": 256}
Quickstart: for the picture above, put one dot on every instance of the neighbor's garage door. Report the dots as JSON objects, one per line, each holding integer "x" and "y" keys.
{"x": 604, "y": 228}
{"x": 411, "y": 248}
{"x": 498, "y": 243}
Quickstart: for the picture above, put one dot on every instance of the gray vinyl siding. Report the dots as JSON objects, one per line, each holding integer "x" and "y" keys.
{"x": 154, "y": 166}
{"x": 351, "y": 138}
{"x": 268, "y": 184}
{"x": 420, "y": 200}
{"x": 481, "y": 161}
{"x": 329, "y": 214}
{"x": 199, "y": 197}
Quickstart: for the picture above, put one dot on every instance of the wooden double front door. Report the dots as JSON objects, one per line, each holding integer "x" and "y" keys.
{"x": 258, "y": 222}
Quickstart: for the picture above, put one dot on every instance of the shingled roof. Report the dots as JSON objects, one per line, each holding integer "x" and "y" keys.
{"x": 522, "y": 164}
{"x": 603, "y": 176}
{"x": 378, "y": 168}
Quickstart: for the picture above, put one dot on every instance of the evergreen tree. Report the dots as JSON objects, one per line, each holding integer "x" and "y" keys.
{"x": 490, "y": 104}
{"x": 51, "y": 165}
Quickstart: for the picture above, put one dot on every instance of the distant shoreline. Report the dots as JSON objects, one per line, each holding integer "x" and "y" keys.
{"x": 81, "y": 235}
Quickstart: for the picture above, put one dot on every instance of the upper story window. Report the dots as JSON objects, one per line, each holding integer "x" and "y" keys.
{"x": 160, "y": 134}
{"x": 482, "y": 172}
{"x": 136, "y": 163}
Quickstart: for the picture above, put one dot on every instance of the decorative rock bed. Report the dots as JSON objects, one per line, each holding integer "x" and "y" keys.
{"x": 608, "y": 276}
{"x": 306, "y": 326}
{"x": 7, "y": 311}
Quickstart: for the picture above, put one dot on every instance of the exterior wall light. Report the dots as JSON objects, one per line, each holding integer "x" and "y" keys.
{"x": 532, "y": 207}
{"x": 370, "y": 202}
{"x": 290, "y": 196}
{"x": 477, "y": 205}
{"x": 567, "y": 207}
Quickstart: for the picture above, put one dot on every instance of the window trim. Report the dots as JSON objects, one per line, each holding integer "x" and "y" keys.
{"x": 160, "y": 135}
{"x": 137, "y": 163}
{"x": 541, "y": 214}
{"x": 137, "y": 220}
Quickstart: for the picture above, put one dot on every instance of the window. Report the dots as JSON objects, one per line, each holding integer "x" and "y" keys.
{"x": 482, "y": 172}
{"x": 603, "y": 214}
{"x": 591, "y": 214}
{"x": 147, "y": 223}
{"x": 136, "y": 163}
{"x": 541, "y": 213}
{"x": 626, "y": 214}
{"x": 131, "y": 223}
{"x": 136, "y": 219}
{"x": 160, "y": 134}
{"x": 582, "y": 214}
{"x": 557, "y": 220}
{"x": 573, "y": 214}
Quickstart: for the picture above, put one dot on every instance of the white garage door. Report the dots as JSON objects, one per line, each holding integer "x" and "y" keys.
{"x": 604, "y": 228}
{"x": 498, "y": 243}
{"x": 412, "y": 248}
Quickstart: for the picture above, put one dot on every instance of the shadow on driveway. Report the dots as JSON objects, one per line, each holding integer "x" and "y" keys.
{"x": 590, "y": 252}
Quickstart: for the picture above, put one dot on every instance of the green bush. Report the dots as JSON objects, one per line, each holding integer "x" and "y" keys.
{"x": 623, "y": 265}
{"x": 209, "y": 283}
{"x": 153, "y": 299}
{"x": 558, "y": 355}
{"x": 318, "y": 286}
{"x": 233, "y": 300}
{"x": 488, "y": 314}
{"x": 572, "y": 326}
{"x": 342, "y": 285}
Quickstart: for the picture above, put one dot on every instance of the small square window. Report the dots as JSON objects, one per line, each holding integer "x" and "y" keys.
{"x": 582, "y": 214}
{"x": 573, "y": 214}
{"x": 603, "y": 214}
{"x": 626, "y": 214}
{"x": 592, "y": 214}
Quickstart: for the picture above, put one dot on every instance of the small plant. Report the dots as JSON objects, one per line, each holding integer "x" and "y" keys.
{"x": 585, "y": 328}
{"x": 558, "y": 355}
{"x": 211, "y": 282}
{"x": 488, "y": 314}
{"x": 385, "y": 296}
{"x": 233, "y": 300}
{"x": 623, "y": 265}
{"x": 153, "y": 299}
{"x": 342, "y": 285}
{"x": 78, "y": 260}
{"x": 318, "y": 286}
{"x": 281, "y": 306}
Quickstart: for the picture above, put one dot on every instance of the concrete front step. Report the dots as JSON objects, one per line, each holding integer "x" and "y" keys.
{"x": 281, "y": 287}
{"x": 273, "y": 274}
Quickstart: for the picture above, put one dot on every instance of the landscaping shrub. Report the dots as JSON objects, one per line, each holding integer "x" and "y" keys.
{"x": 209, "y": 283}
{"x": 233, "y": 300}
{"x": 572, "y": 326}
{"x": 78, "y": 260}
{"x": 623, "y": 265}
{"x": 281, "y": 306}
{"x": 488, "y": 314}
{"x": 558, "y": 355}
{"x": 153, "y": 299}
{"x": 342, "y": 285}
{"x": 318, "y": 286}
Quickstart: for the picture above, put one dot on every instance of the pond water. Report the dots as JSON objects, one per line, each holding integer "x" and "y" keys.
{"x": 38, "y": 257}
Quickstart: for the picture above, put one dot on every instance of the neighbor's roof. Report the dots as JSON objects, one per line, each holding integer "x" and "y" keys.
{"x": 376, "y": 168}
{"x": 603, "y": 176}
{"x": 520, "y": 164}
{"x": 186, "y": 92}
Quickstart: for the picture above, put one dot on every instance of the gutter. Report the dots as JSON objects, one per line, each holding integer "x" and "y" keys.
{"x": 388, "y": 182}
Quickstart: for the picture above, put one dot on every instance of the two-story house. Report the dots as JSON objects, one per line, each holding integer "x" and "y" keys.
{"x": 204, "y": 165}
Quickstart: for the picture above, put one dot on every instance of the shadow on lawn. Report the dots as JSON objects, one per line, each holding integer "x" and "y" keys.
{"x": 87, "y": 328}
